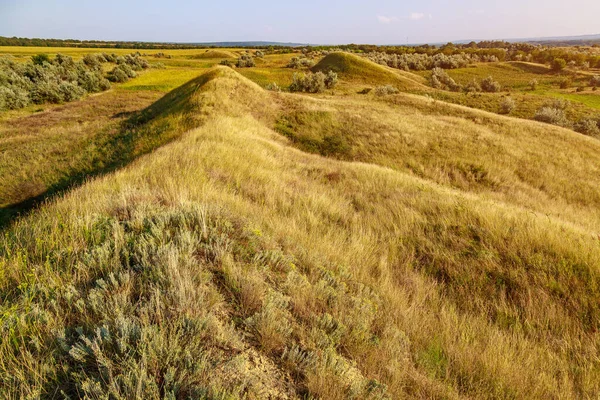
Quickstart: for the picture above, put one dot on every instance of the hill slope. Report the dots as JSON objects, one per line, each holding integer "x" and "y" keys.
{"x": 229, "y": 263}
{"x": 353, "y": 68}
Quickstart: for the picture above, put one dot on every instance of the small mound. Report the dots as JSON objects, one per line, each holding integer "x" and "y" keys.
{"x": 213, "y": 54}
{"x": 357, "y": 69}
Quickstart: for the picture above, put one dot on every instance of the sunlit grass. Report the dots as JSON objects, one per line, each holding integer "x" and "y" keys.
{"x": 163, "y": 80}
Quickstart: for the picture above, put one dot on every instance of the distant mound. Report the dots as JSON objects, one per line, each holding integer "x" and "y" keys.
{"x": 357, "y": 69}
{"x": 214, "y": 54}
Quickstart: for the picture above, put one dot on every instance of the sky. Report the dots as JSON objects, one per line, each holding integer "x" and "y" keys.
{"x": 309, "y": 21}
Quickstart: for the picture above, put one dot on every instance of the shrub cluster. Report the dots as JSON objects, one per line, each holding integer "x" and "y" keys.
{"x": 490, "y": 85}
{"x": 507, "y": 105}
{"x": 301, "y": 62}
{"x": 274, "y": 87}
{"x": 126, "y": 67}
{"x": 386, "y": 90}
{"x": 588, "y": 126}
{"x": 423, "y": 62}
{"x": 554, "y": 113}
{"x": 595, "y": 81}
{"x": 313, "y": 82}
{"x": 245, "y": 61}
{"x": 441, "y": 80}
{"x": 54, "y": 81}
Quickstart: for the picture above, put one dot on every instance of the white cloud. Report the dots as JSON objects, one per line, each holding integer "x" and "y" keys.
{"x": 386, "y": 20}
{"x": 415, "y": 16}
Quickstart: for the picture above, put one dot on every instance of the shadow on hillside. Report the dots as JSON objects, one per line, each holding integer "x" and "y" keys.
{"x": 142, "y": 132}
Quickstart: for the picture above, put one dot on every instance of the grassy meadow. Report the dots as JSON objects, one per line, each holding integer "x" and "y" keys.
{"x": 190, "y": 234}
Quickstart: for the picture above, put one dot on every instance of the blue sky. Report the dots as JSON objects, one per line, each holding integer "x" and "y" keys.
{"x": 310, "y": 21}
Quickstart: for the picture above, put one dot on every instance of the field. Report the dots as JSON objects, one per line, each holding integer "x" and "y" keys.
{"x": 189, "y": 234}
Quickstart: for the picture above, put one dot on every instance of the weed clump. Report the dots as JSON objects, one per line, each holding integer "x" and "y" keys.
{"x": 533, "y": 84}
{"x": 313, "y": 82}
{"x": 273, "y": 87}
{"x": 472, "y": 87}
{"x": 588, "y": 126}
{"x": 554, "y": 113}
{"x": 301, "y": 62}
{"x": 386, "y": 90}
{"x": 441, "y": 80}
{"x": 507, "y": 105}
{"x": 490, "y": 85}
{"x": 245, "y": 61}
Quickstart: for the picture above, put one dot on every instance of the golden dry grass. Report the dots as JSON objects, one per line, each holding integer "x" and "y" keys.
{"x": 230, "y": 264}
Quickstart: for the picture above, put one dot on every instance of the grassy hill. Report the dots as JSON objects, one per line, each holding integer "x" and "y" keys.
{"x": 356, "y": 69}
{"x": 222, "y": 54}
{"x": 398, "y": 248}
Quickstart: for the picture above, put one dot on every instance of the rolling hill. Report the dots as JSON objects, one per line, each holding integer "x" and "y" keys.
{"x": 275, "y": 245}
{"x": 356, "y": 69}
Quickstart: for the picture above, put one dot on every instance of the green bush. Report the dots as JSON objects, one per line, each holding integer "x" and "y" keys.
{"x": 441, "y": 80}
{"x": 118, "y": 75}
{"x": 12, "y": 98}
{"x": 565, "y": 82}
{"x": 331, "y": 80}
{"x": 300, "y": 62}
{"x": 310, "y": 83}
{"x": 533, "y": 84}
{"x": 245, "y": 61}
{"x": 386, "y": 90}
{"x": 490, "y": 85}
{"x": 507, "y": 105}
{"x": 40, "y": 59}
{"x": 552, "y": 115}
{"x": 472, "y": 87}
{"x": 558, "y": 64}
{"x": 588, "y": 126}
{"x": 273, "y": 87}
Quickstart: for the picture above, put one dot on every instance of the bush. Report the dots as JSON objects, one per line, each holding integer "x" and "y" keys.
{"x": 13, "y": 98}
{"x": 331, "y": 80}
{"x": 565, "y": 82}
{"x": 92, "y": 61}
{"x": 93, "y": 82}
{"x": 40, "y": 59}
{"x": 273, "y": 87}
{"x": 118, "y": 75}
{"x": 588, "y": 126}
{"x": 245, "y": 61}
{"x": 472, "y": 87}
{"x": 60, "y": 80}
{"x": 310, "y": 83}
{"x": 300, "y": 62}
{"x": 533, "y": 84}
{"x": 386, "y": 90}
{"x": 507, "y": 105}
{"x": 558, "y": 64}
{"x": 441, "y": 80}
{"x": 490, "y": 85}
{"x": 259, "y": 54}
{"x": 552, "y": 115}
{"x": 226, "y": 63}
{"x": 595, "y": 81}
